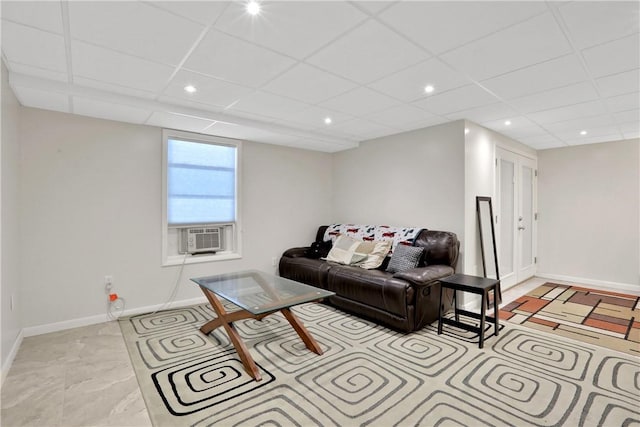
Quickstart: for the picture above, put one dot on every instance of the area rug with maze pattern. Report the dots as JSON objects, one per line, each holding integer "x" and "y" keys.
{"x": 370, "y": 375}
{"x": 608, "y": 319}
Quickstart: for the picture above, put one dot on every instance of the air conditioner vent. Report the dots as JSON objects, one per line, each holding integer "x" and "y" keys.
{"x": 201, "y": 239}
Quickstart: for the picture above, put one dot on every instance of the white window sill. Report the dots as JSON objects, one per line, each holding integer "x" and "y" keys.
{"x": 195, "y": 259}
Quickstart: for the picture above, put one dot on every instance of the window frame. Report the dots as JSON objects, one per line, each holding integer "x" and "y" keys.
{"x": 234, "y": 247}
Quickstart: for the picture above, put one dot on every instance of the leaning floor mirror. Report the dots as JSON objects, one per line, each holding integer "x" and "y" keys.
{"x": 487, "y": 240}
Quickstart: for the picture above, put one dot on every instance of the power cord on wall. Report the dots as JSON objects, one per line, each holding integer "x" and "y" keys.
{"x": 174, "y": 291}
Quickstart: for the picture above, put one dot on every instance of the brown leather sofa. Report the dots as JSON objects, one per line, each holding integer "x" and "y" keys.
{"x": 405, "y": 301}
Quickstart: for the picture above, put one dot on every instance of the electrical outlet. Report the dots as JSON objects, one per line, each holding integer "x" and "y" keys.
{"x": 273, "y": 261}
{"x": 108, "y": 283}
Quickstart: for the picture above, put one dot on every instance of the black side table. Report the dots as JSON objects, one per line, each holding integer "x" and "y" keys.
{"x": 475, "y": 285}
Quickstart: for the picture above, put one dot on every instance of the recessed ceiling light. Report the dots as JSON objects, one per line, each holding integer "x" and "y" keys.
{"x": 583, "y": 132}
{"x": 253, "y": 8}
{"x": 507, "y": 122}
{"x": 428, "y": 89}
{"x": 327, "y": 120}
{"x": 190, "y": 89}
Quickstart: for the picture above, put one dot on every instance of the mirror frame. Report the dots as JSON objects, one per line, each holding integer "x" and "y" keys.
{"x": 493, "y": 235}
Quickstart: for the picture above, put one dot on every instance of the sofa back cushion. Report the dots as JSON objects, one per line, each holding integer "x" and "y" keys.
{"x": 440, "y": 247}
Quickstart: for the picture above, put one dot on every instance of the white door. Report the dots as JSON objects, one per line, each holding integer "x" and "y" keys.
{"x": 515, "y": 217}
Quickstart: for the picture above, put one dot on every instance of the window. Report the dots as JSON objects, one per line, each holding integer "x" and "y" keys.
{"x": 200, "y": 187}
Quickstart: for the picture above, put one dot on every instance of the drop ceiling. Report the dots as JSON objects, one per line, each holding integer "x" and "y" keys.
{"x": 553, "y": 70}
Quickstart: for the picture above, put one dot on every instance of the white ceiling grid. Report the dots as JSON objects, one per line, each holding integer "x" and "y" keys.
{"x": 553, "y": 69}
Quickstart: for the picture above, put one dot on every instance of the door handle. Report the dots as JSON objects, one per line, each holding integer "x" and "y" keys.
{"x": 521, "y": 228}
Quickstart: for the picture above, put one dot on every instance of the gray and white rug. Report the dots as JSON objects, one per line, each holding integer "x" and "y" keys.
{"x": 370, "y": 375}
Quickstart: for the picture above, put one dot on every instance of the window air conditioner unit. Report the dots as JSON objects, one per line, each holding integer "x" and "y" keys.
{"x": 200, "y": 239}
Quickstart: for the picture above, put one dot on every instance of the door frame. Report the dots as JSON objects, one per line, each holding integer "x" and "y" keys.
{"x": 519, "y": 160}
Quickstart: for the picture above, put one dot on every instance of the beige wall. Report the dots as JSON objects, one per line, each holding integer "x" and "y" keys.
{"x": 410, "y": 179}
{"x": 588, "y": 203}
{"x": 91, "y": 206}
{"x": 9, "y": 249}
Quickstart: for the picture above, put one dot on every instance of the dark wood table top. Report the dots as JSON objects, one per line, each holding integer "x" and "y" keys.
{"x": 469, "y": 282}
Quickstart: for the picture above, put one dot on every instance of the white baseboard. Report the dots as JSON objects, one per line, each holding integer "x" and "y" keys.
{"x": 12, "y": 355}
{"x": 613, "y": 286}
{"x": 100, "y": 318}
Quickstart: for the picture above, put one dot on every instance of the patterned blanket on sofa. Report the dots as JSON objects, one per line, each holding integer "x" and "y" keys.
{"x": 397, "y": 235}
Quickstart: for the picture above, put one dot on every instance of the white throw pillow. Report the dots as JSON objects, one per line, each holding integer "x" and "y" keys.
{"x": 344, "y": 251}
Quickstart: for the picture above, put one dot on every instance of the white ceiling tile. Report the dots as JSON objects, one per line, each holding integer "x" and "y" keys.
{"x": 183, "y": 102}
{"x": 401, "y": 115}
{"x": 44, "y": 15}
{"x": 29, "y": 70}
{"x": 408, "y": 85}
{"x": 539, "y": 77}
{"x": 108, "y": 110}
{"x": 225, "y": 129}
{"x": 308, "y": 84}
{"x": 554, "y": 98}
{"x": 134, "y": 28}
{"x": 625, "y": 102}
{"x": 359, "y": 102}
{"x": 203, "y": 12}
{"x": 105, "y": 65}
{"x": 267, "y": 104}
{"x": 368, "y": 53}
{"x": 313, "y": 117}
{"x": 542, "y": 142}
{"x": 575, "y": 126}
{"x": 618, "y": 84}
{"x": 114, "y": 88}
{"x": 575, "y": 111}
{"x": 440, "y": 26}
{"x": 46, "y": 100}
{"x": 179, "y": 121}
{"x": 33, "y": 47}
{"x": 601, "y": 60}
{"x": 234, "y": 60}
{"x": 517, "y": 126}
{"x": 210, "y": 91}
{"x": 521, "y": 133}
{"x": 604, "y": 135}
{"x": 295, "y": 28}
{"x": 595, "y": 22}
{"x": 629, "y": 116}
{"x": 456, "y": 100}
{"x": 230, "y": 115}
{"x": 536, "y": 40}
{"x": 485, "y": 113}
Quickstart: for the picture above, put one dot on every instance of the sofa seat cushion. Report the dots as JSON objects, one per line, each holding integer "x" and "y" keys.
{"x": 371, "y": 287}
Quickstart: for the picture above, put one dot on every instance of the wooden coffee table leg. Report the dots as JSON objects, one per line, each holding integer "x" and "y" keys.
{"x": 303, "y": 333}
{"x": 224, "y": 319}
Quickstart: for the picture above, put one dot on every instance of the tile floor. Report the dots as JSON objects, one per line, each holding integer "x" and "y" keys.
{"x": 83, "y": 377}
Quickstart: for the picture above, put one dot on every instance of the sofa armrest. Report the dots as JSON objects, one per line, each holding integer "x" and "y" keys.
{"x": 425, "y": 275}
{"x": 296, "y": 252}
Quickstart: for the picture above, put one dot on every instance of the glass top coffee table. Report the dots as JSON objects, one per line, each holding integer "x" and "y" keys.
{"x": 258, "y": 295}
